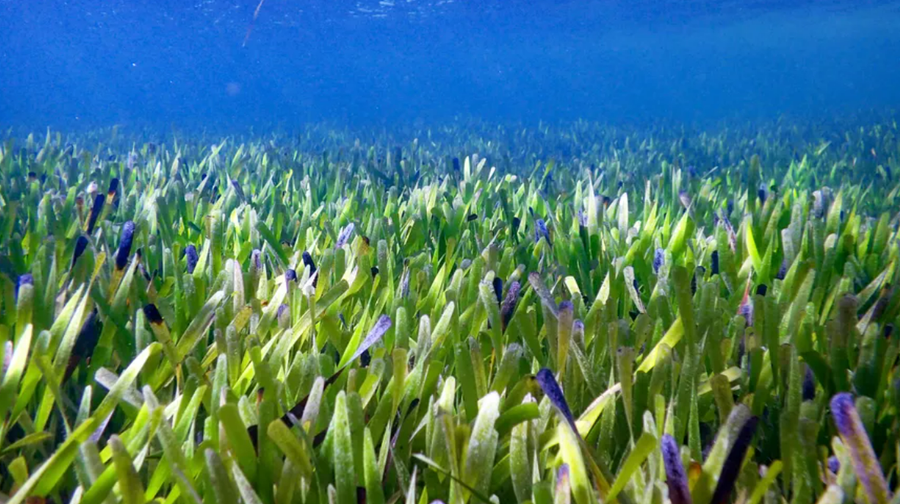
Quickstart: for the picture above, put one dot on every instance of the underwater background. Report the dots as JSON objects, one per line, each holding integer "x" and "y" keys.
{"x": 213, "y": 64}
{"x": 447, "y": 251}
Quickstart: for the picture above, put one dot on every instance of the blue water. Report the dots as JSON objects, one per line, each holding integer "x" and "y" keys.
{"x": 191, "y": 64}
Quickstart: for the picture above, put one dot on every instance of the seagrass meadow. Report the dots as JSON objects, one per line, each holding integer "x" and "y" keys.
{"x": 471, "y": 313}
